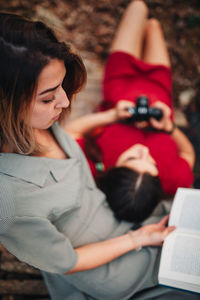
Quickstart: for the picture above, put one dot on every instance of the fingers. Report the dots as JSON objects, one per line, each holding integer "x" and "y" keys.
{"x": 165, "y": 121}
{"x": 168, "y": 230}
{"x": 125, "y": 104}
{"x": 156, "y": 124}
{"x": 163, "y": 234}
{"x": 165, "y": 109}
{"x": 164, "y": 220}
{"x": 122, "y": 109}
{"x": 171, "y": 228}
{"x": 162, "y": 105}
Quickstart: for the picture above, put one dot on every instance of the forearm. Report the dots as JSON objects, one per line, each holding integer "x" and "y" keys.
{"x": 95, "y": 255}
{"x": 87, "y": 123}
{"x": 185, "y": 147}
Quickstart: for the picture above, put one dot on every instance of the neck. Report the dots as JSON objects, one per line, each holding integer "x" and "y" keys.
{"x": 6, "y": 148}
{"x": 42, "y": 136}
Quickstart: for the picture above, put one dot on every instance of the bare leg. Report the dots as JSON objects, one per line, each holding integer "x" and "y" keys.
{"x": 155, "y": 49}
{"x": 130, "y": 34}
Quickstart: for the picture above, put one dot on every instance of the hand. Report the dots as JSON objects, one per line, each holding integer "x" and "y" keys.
{"x": 121, "y": 109}
{"x": 165, "y": 123}
{"x": 153, "y": 234}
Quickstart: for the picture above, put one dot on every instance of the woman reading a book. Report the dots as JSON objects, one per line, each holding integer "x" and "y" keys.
{"x": 52, "y": 215}
{"x": 138, "y": 156}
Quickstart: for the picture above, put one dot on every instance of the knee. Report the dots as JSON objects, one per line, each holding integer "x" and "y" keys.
{"x": 138, "y": 5}
{"x": 153, "y": 24}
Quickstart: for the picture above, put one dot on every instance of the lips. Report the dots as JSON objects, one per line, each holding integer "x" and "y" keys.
{"x": 56, "y": 117}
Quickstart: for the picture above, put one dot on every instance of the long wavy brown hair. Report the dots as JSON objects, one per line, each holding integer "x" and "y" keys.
{"x": 26, "y": 47}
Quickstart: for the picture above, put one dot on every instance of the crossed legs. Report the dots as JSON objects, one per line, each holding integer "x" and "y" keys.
{"x": 141, "y": 37}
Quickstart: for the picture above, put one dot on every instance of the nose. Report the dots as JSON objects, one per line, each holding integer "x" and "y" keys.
{"x": 63, "y": 101}
{"x": 144, "y": 152}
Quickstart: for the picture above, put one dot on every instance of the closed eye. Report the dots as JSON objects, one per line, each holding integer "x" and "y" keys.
{"x": 131, "y": 158}
{"x": 49, "y": 100}
{"x": 135, "y": 158}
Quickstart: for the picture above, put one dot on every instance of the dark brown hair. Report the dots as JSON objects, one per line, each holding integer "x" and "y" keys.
{"x": 131, "y": 196}
{"x": 26, "y": 47}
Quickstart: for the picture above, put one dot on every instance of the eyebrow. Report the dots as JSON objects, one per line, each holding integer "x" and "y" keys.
{"x": 49, "y": 90}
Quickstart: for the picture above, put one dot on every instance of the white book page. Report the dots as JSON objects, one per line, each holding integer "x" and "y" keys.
{"x": 180, "y": 259}
{"x": 185, "y": 212}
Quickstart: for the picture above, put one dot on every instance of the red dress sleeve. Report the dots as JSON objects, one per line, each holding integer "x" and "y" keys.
{"x": 81, "y": 143}
{"x": 181, "y": 176}
{"x": 174, "y": 171}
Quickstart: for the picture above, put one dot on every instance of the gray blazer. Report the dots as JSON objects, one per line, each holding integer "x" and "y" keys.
{"x": 48, "y": 207}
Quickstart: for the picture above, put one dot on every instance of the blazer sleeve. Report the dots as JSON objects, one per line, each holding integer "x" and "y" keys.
{"x": 37, "y": 241}
{"x": 33, "y": 240}
{"x": 7, "y": 206}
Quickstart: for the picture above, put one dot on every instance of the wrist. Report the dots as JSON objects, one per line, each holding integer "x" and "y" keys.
{"x": 112, "y": 115}
{"x": 136, "y": 240}
{"x": 171, "y": 129}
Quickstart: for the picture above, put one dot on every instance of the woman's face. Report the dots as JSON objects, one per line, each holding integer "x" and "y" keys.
{"x": 138, "y": 159}
{"x": 50, "y": 97}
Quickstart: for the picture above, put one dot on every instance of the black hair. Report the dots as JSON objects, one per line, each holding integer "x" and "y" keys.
{"x": 131, "y": 196}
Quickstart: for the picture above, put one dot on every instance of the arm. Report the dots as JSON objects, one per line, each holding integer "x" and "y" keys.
{"x": 80, "y": 126}
{"x": 185, "y": 148}
{"x": 95, "y": 255}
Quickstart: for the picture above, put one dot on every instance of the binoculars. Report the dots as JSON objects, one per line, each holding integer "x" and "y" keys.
{"x": 142, "y": 111}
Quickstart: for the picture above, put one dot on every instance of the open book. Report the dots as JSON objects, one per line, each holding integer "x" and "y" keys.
{"x": 180, "y": 258}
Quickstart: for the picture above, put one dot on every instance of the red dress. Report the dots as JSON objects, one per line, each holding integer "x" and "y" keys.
{"x": 125, "y": 78}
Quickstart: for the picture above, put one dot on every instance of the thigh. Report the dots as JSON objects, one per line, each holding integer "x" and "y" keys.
{"x": 120, "y": 279}
{"x": 60, "y": 289}
{"x": 165, "y": 293}
{"x": 126, "y": 77}
{"x": 155, "y": 49}
{"x": 130, "y": 34}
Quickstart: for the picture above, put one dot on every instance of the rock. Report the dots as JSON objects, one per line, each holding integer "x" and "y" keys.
{"x": 186, "y": 96}
{"x": 180, "y": 118}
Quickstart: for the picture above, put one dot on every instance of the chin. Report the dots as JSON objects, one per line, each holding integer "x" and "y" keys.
{"x": 40, "y": 128}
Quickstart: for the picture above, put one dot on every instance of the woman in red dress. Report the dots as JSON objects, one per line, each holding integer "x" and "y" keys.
{"x": 138, "y": 155}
